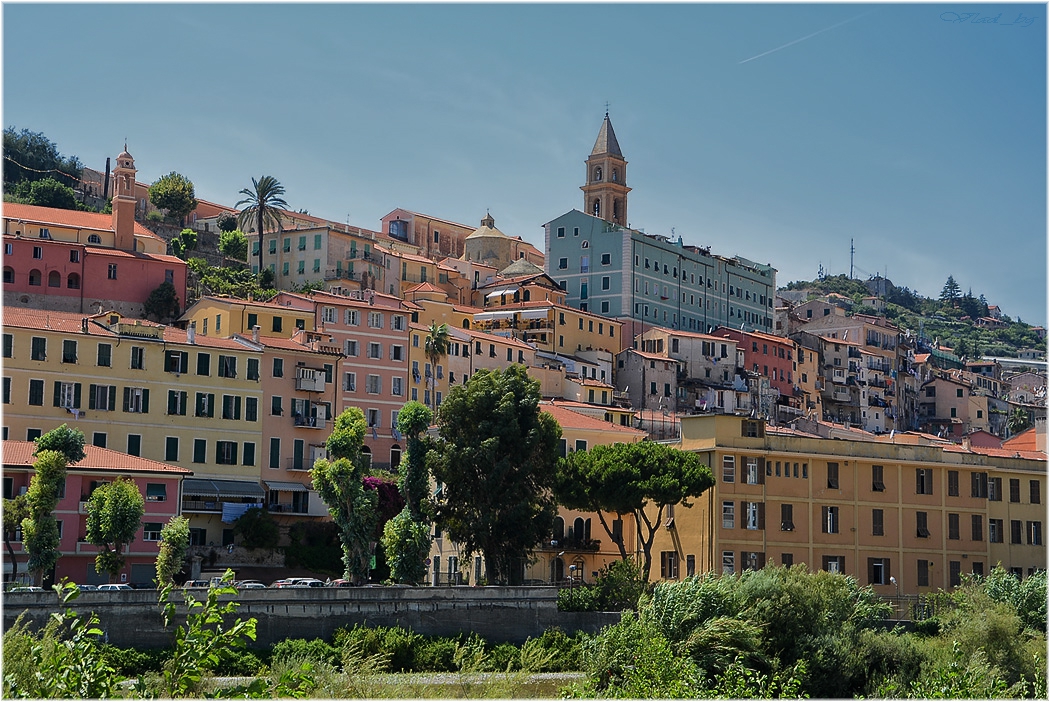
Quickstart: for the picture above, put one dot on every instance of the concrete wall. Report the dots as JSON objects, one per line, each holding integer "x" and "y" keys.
{"x": 497, "y": 614}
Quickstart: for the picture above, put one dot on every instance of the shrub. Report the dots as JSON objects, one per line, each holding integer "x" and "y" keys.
{"x": 505, "y": 657}
{"x": 133, "y": 662}
{"x": 579, "y": 598}
{"x": 565, "y": 650}
{"x": 400, "y": 644}
{"x": 436, "y": 655}
{"x": 313, "y": 651}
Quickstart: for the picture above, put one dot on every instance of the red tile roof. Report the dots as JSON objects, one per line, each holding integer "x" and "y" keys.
{"x": 20, "y": 453}
{"x": 571, "y": 419}
{"x": 1025, "y": 441}
{"x": 67, "y": 218}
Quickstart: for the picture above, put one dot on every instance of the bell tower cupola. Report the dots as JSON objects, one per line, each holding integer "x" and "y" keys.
{"x": 124, "y": 201}
{"x": 605, "y": 192}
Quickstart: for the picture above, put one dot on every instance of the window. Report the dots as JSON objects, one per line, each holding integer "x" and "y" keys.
{"x": 231, "y": 407}
{"x": 171, "y": 448}
{"x": 563, "y": 263}
{"x": 7, "y": 391}
{"x": 978, "y": 485}
{"x": 995, "y": 531}
{"x": 278, "y": 367}
{"x": 787, "y": 521}
{"x": 397, "y": 322}
{"x": 105, "y": 355}
{"x": 156, "y": 492}
{"x": 136, "y": 400}
{"x": 205, "y": 405}
{"x": 877, "y": 484}
{"x": 248, "y": 455}
{"x": 1015, "y": 490}
{"x": 373, "y": 385}
{"x": 877, "y": 528}
{"x": 995, "y": 489}
{"x": 227, "y": 366}
{"x": 953, "y": 526}
{"x": 151, "y": 531}
{"x": 829, "y": 523}
{"x": 350, "y": 382}
{"x": 69, "y": 351}
{"x": 878, "y": 571}
{"x": 275, "y": 406}
{"x": 1015, "y": 531}
{"x": 833, "y": 476}
{"x": 922, "y": 529}
{"x": 38, "y": 349}
{"x": 1035, "y": 533}
{"x": 112, "y": 271}
{"x": 976, "y": 527}
{"x": 834, "y": 564}
{"x": 375, "y": 320}
{"x": 375, "y": 350}
{"x": 1033, "y": 492}
{"x": 138, "y": 357}
{"x": 277, "y": 324}
{"x": 102, "y": 398}
{"x": 203, "y": 364}
{"x": 372, "y": 417}
{"x": 728, "y": 514}
{"x": 68, "y": 395}
{"x": 176, "y": 361}
{"x": 669, "y": 565}
{"x": 922, "y": 573}
{"x": 954, "y": 573}
{"x": 728, "y": 562}
{"x": 953, "y": 483}
{"x": 397, "y": 386}
{"x": 177, "y": 402}
{"x": 9, "y": 342}
{"x": 34, "y": 277}
{"x": 924, "y": 481}
{"x": 352, "y": 318}
{"x": 99, "y": 439}
{"x": 752, "y": 471}
{"x": 226, "y": 453}
{"x": 728, "y": 469}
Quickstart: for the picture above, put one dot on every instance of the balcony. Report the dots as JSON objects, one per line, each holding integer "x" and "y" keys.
{"x": 311, "y": 381}
{"x": 82, "y": 507}
{"x": 298, "y": 464}
{"x": 852, "y": 352}
{"x": 309, "y": 422}
{"x": 840, "y": 396}
{"x": 201, "y": 506}
{"x": 287, "y": 508}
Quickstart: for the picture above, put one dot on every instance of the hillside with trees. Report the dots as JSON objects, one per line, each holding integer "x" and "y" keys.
{"x": 948, "y": 319}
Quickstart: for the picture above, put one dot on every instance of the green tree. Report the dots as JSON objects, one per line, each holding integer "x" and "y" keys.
{"x": 15, "y": 510}
{"x": 951, "y": 291}
{"x": 114, "y": 516}
{"x": 340, "y": 484}
{"x": 184, "y": 242}
{"x": 226, "y": 222}
{"x": 257, "y": 529}
{"x": 435, "y": 346}
{"x": 174, "y": 542}
{"x": 39, "y": 527}
{"x": 32, "y": 156}
{"x": 64, "y": 439}
{"x": 174, "y": 193}
{"x": 406, "y": 537}
{"x": 46, "y": 192}
{"x": 634, "y": 479}
{"x": 263, "y": 204}
{"x": 233, "y": 245}
{"x": 1018, "y": 421}
{"x": 162, "y": 305}
{"x": 496, "y": 460}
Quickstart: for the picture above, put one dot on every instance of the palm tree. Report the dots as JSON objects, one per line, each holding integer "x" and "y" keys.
{"x": 435, "y": 346}
{"x": 263, "y": 205}
{"x": 1018, "y": 421}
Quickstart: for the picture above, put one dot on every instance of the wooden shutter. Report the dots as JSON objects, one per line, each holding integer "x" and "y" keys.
{"x": 823, "y": 520}
{"x": 145, "y": 400}
{"x": 58, "y": 394}
{"x": 127, "y": 398}
{"x": 112, "y": 397}
{"x": 761, "y": 515}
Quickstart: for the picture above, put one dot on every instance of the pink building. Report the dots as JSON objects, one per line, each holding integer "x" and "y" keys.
{"x": 159, "y": 483}
{"x": 771, "y": 356}
{"x": 371, "y": 329}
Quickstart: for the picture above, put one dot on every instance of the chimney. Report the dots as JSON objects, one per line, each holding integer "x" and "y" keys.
{"x": 966, "y": 442}
{"x": 191, "y": 333}
{"x": 255, "y": 333}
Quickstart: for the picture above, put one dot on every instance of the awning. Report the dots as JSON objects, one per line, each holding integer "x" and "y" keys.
{"x": 222, "y": 488}
{"x": 286, "y": 486}
{"x": 535, "y": 314}
{"x": 482, "y": 316}
{"x": 497, "y": 293}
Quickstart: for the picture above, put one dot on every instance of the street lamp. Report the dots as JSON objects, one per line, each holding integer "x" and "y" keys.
{"x": 572, "y": 576}
{"x": 897, "y": 588}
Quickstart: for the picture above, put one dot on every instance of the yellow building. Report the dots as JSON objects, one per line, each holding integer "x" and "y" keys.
{"x": 158, "y": 392}
{"x": 225, "y": 316}
{"x": 872, "y": 509}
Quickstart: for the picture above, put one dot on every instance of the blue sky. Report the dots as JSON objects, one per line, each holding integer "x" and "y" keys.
{"x": 776, "y": 132}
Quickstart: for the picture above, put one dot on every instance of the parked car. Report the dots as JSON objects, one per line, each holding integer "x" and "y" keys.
{"x": 26, "y": 588}
{"x": 308, "y": 582}
{"x": 249, "y": 585}
{"x": 341, "y": 582}
{"x": 195, "y": 584}
{"x": 87, "y": 587}
{"x": 112, "y": 587}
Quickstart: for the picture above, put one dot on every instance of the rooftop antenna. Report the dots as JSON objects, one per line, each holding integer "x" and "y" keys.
{"x": 851, "y": 251}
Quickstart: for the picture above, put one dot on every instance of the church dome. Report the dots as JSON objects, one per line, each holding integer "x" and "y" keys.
{"x": 487, "y": 229}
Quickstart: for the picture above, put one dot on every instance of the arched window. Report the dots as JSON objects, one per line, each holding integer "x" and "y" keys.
{"x": 366, "y": 458}
{"x": 94, "y": 239}
{"x": 395, "y": 456}
{"x": 54, "y": 279}
{"x": 466, "y": 324}
{"x": 577, "y": 529}
{"x": 596, "y": 208}
{"x": 73, "y": 282}
{"x": 597, "y": 173}
{"x": 34, "y": 277}
{"x": 559, "y": 529}
{"x": 616, "y": 210}
{"x": 526, "y": 296}
{"x": 615, "y": 175}
{"x": 9, "y": 274}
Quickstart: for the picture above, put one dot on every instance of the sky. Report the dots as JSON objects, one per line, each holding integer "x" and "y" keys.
{"x": 776, "y": 132}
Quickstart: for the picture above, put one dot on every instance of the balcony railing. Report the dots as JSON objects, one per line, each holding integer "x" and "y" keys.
{"x": 287, "y": 508}
{"x": 308, "y": 383}
{"x": 309, "y": 422}
{"x": 840, "y": 396}
{"x": 298, "y": 464}
{"x": 201, "y": 506}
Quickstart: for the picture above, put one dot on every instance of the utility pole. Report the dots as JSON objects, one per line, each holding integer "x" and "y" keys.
{"x": 851, "y": 250}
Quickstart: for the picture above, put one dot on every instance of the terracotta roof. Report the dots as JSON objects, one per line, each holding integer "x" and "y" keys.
{"x": 496, "y": 337}
{"x": 922, "y": 357}
{"x": 997, "y": 452}
{"x": 679, "y": 332}
{"x": 758, "y": 335}
{"x": 20, "y": 453}
{"x": 652, "y": 356}
{"x": 425, "y": 287}
{"x": 571, "y": 419}
{"x": 429, "y": 217}
{"x": 1025, "y": 441}
{"x": 595, "y": 382}
{"x": 67, "y": 218}
{"x": 222, "y": 300}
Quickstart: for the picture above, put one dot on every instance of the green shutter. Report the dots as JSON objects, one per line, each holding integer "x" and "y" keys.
{"x": 127, "y": 398}
{"x": 76, "y": 395}
{"x": 200, "y": 449}
{"x": 182, "y": 406}
{"x": 297, "y": 454}
{"x": 248, "y": 458}
{"x": 237, "y": 407}
{"x": 58, "y": 394}
{"x": 171, "y": 448}
{"x": 211, "y": 404}
{"x": 145, "y": 400}
{"x": 172, "y": 401}
{"x": 275, "y": 452}
{"x": 92, "y": 395}
{"x": 112, "y": 397}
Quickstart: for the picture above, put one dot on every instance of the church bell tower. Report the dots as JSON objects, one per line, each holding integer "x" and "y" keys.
{"x": 605, "y": 192}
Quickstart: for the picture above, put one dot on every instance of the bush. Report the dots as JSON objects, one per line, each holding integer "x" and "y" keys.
{"x": 581, "y": 598}
{"x": 436, "y": 655}
{"x": 400, "y": 644}
{"x": 235, "y": 662}
{"x": 313, "y": 651}
{"x": 257, "y": 529}
{"x": 565, "y": 650}
{"x": 133, "y": 662}
{"x": 155, "y": 216}
{"x": 505, "y": 657}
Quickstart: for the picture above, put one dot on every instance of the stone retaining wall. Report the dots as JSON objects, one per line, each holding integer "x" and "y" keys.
{"x": 497, "y": 614}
